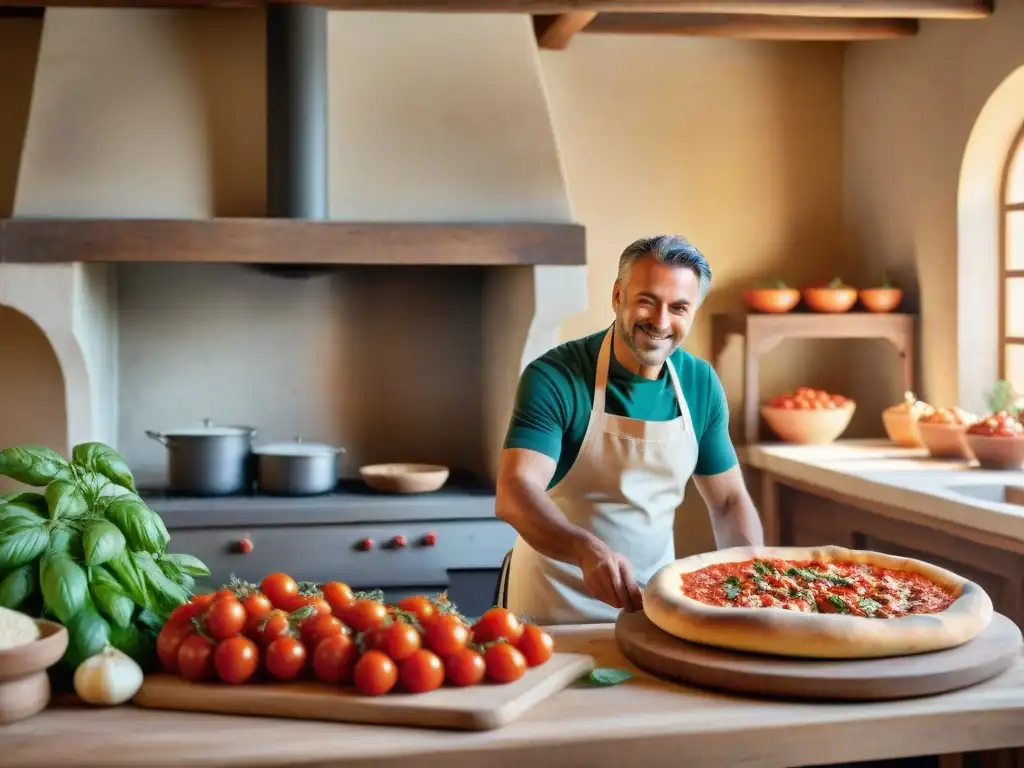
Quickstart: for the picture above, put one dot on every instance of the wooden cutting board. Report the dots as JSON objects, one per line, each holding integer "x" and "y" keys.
{"x": 989, "y": 654}
{"x": 480, "y": 707}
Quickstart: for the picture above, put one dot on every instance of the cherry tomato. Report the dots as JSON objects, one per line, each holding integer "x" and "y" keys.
{"x": 505, "y": 664}
{"x": 185, "y": 612}
{"x": 195, "y": 658}
{"x": 418, "y": 605}
{"x": 275, "y": 625}
{"x": 446, "y": 634}
{"x": 280, "y": 588}
{"x": 536, "y": 645}
{"x": 338, "y": 595}
{"x": 466, "y": 667}
{"x": 257, "y": 605}
{"x": 497, "y": 624}
{"x": 225, "y": 618}
{"x": 364, "y": 615}
{"x": 334, "y": 658}
{"x": 319, "y": 605}
{"x": 236, "y": 659}
{"x": 286, "y": 658}
{"x": 375, "y": 674}
{"x": 399, "y": 640}
{"x": 205, "y": 599}
{"x": 318, "y": 627}
{"x": 171, "y": 636}
{"x": 421, "y": 672}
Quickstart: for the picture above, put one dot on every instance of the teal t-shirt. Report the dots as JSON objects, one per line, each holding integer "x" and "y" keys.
{"x": 556, "y": 395}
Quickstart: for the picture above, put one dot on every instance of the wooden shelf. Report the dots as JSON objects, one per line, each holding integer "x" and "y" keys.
{"x": 290, "y": 241}
{"x": 762, "y": 333}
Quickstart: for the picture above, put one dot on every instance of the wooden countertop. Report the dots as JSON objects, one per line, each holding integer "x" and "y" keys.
{"x": 878, "y": 472}
{"x": 642, "y": 721}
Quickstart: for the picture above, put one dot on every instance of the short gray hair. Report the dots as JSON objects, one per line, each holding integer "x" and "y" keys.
{"x": 674, "y": 250}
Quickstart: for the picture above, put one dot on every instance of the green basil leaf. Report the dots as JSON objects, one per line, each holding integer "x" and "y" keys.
{"x": 63, "y": 584}
{"x": 110, "y": 597}
{"x": 34, "y": 465}
{"x": 605, "y": 676}
{"x": 65, "y": 501}
{"x": 128, "y": 576}
{"x": 104, "y": 460}
{"x": 29, "y": 499}
{"x": 193, "y": 566}
{"x": 88, "y": 634}
{"x": 21, "y": 542}
{"x": 18, "y": 586}
{"x": 14, "y": 510}
{"x": 139, "y": 645}
{"x": 167, "y": 595}
{"x": 101, "y": 540}
{"x": 150, "y": 621}
{"x": 137, "y": 523}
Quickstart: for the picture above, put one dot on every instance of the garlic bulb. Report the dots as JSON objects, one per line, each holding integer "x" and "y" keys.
{"x": 108, "y": 678}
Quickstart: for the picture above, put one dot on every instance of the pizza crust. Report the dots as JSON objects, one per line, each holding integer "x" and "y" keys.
{"x": 814, "y": 635}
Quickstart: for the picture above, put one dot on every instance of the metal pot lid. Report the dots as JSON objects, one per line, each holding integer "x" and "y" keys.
{"x": 298, "y": 447}
{"x": 209, "y": 429}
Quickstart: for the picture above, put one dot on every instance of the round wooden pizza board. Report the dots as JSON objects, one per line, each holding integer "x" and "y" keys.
{"x": 989, "y": 654}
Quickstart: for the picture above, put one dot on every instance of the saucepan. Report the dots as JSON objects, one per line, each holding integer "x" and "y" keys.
{"x": 297, "y": 468}
{"x": 210, "y": 460}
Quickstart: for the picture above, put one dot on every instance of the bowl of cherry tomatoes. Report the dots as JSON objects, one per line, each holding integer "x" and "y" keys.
{"x": 941, "y": 431}
{"x": 835, "y": 297}
{"x": 808, "y": 416}
{"x": 996, "y": 441}
{"x": 774, "y": 299}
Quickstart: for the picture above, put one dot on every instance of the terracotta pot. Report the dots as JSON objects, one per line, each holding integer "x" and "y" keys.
{"x": 901, "y": 428}
{"x": 881, "y": 299}
{"x": 771, "y": 300}
{"x": 942, "y": 441}
{"x": 813, "y": 427}
{"x": 995, "y": 452}
{"x": 830, "y": 300}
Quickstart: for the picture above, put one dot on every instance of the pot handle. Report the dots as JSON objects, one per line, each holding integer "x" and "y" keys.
{"x": 337, "y": 449}
{"x": 160, "y": 437}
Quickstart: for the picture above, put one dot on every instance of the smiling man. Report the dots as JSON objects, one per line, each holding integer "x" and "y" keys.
{"x": 606, "y": 432}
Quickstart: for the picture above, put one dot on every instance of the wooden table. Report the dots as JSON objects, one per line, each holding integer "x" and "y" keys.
{"x": 643, "y": 721}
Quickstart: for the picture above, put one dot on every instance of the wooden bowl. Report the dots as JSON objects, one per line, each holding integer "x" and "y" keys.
{"x": 880, "y": 299}
{"x": 943, "y": 440}
{"x": 775, "y": 301}
{"x": 830, "y": 300}
{"x": 995, "y": 452}
{"x": 812, "y": 427}
{"x": 404, "y": 478}
{"x": 901, "y": 428}
{"x": 24, "y": 684}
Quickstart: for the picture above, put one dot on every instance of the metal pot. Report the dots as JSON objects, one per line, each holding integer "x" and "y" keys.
{"x": 297, "y": 468}
{"x": 208, "y": 460}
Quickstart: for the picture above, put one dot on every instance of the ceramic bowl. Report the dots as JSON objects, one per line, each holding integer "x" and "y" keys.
{"x": 943, "y": 441}
{"x": 812, "y": 427}
{"x": 995, "y": 452}
{"x": 880, "y": 299}
{"x": 830, "y": 300}
{"x": 774, "y": 301}
{"x": 404, "y": 478}
{"x": 901, "y": 428}
{"x": 24, "y": 684}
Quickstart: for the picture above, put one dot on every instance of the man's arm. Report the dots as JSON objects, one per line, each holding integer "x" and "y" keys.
{"x": 734, "y": 518}
{"x": 719, "y": 479}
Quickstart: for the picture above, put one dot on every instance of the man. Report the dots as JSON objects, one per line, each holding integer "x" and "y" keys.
{"x": 605, "y": 434}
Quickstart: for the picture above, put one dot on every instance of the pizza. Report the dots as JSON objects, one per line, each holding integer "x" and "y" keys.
{"x": 815, "y": 602}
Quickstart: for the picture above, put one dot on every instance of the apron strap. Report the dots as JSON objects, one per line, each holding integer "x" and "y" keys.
{"x": 501, "y": 588}
{"x": 604, "y": 358}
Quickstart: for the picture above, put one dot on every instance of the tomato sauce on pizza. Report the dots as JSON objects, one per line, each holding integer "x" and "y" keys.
{"x": 858, "y": 589}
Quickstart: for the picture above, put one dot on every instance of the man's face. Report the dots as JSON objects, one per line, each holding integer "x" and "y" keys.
{"x": 654, "y": 308}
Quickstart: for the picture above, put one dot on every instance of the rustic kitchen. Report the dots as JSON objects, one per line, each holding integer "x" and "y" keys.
{"x": 269, "y": 273}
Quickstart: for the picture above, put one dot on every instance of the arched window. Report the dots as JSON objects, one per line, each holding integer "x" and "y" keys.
{"x": 1011, "y": 268}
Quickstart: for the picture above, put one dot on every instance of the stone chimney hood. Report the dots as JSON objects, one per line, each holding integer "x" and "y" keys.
{"x": 300, "y": 225}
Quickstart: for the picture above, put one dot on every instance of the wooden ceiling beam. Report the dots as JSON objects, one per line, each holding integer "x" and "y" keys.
{"x": 898, "y": 9}
{"x": 555, "y": 32}
{"x": 751, "y": 27}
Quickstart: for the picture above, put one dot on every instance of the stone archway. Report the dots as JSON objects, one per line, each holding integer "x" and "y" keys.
{"x": 979, "y": 208}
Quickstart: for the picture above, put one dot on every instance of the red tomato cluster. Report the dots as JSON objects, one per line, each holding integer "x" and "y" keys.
{"x": 1000, "y": 424}
{"x": 284, "y": 630}
{"x": 808, "y": 399}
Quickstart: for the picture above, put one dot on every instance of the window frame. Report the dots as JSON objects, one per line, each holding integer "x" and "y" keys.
{"x": 1007, "y": 208}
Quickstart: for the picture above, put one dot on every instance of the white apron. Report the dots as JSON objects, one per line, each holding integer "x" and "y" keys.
{"x": 625, "y": 486}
